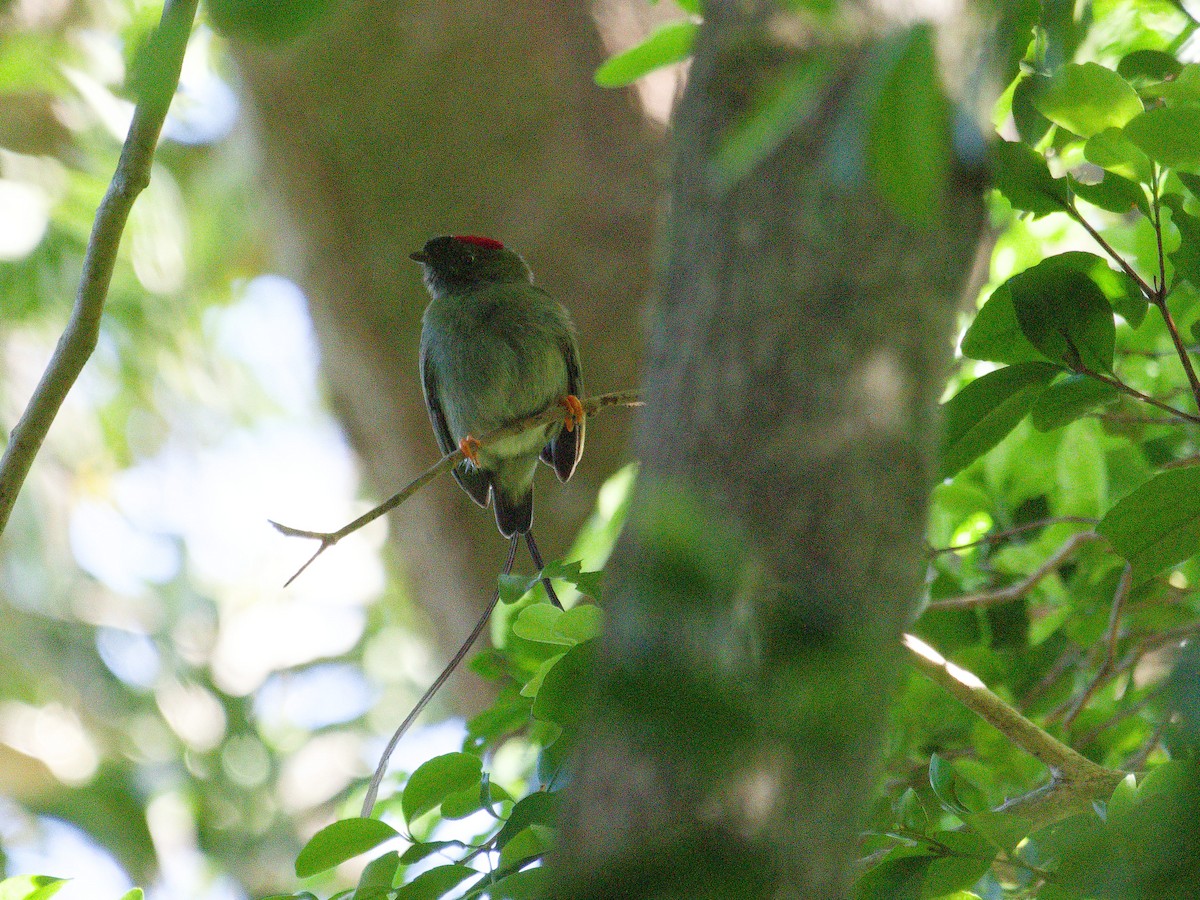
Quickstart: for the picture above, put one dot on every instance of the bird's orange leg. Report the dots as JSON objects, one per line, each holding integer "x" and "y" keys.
{"x": 574, "y": 411}
{"x": 470, "y": 449}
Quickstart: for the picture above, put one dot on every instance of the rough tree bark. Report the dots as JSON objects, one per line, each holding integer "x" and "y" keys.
{"x": 390, "y": 123}
{"x": 775, "y": 544}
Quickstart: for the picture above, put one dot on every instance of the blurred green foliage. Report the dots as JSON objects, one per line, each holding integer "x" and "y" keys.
{"x": 1070, "y": 411}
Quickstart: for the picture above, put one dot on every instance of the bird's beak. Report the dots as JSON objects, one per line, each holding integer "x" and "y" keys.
{"x": 418, "y": 257}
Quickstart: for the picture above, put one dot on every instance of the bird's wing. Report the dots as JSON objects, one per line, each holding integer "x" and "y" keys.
{"x": 476, "y": 482}
{"x": 564, "y": 451}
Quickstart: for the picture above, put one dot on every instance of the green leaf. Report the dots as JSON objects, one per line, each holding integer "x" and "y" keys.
{"x": 1151, "y": 65}
{"x": 436, "y": 779}
{"x": 343, "y": 840}
{"x": 1169, "y": 135}
{"x": 1113, "y": 193}
{"x": 669, "y": 44}
{"x": 526, "y": 845}
{"x": 587, "y": 582}
{"x": 537, "y": 623}
{"x": 1158, "y": 525}
{"x": 378, "y": 877}
{"x": 950, "y": 875}
{"x": 1065, "y": 315}
{"x": 1186, "y": 259}
{"x": 910, "y": 813}
{"x": 1022, "y": 176}
{"x": 1183, "y": 88}
{"x": 1086, "y": 98}
{"x": 995, "y": 336}
{"x": 1002, "y": 830}
{"x": 909, "y": 137}
{"x": 538, "y": 808}
{"x": 1031, "y": 124}
{"x": 1066, "y": 400}
{"x": 580, "y": 623}
{"x": 941, "y": 779}
{"x": 774, "y": 115}
{"x": 898, "y": 877}
{"x": 534, "y": 684}
{"x": 564, "y": 690}
{"x": 435, "y": 883}
{"x": 134, "y": 894}
{"x": 421, "y": 849}
{"x": 1112, "y": 150}
{"x": 30, "y": 887}
{"x": 978, "y": 417}
{"x": 514, "y": 587}
{"x": 531, "y": 884}
{"x": 1120, "y": 290}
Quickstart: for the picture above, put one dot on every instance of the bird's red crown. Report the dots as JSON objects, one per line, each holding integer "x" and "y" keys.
{"x": 487, "y": 242}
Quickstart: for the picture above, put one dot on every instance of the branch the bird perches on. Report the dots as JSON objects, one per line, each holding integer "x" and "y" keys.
{"x": 328, "y": 538}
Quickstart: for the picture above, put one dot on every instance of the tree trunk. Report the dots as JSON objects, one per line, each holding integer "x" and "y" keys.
{"x": 390, "y": 123}
{"x": 775, "y": 544}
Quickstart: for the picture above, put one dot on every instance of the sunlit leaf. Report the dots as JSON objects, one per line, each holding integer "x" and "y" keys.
{"x": 1111, "y": 149}
{"x": 1086, "y": 99}
{"x": 979, "y": 416}
{"x": 343, "y": 840}
{"x": 436, "y": 779}
{"x": 1169, "y": 135}
{"x": 669, "y": 44}
{"x": 377, "y": 877}
{"x": 1158, "y": 525}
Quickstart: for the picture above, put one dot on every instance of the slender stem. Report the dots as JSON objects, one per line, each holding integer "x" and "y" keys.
{"x": 536, "y": 556}
{"x": 1134, "y": 392}
{"x": 328, "y": 538}
{"x": 1159, "y": 297}
{"x": 996, "y": 536}
{"x": 381, "y": 769}
{"x": 78, "y": 340}
{"x": 1020, "y": 588}
{"x": 1147, "y": 291}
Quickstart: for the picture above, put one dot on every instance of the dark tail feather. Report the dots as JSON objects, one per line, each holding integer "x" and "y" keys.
{"x": 513, "y": 517}
{"x": 537, "y": 561}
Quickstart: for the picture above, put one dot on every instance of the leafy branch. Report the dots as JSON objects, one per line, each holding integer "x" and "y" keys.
{"x": 328, "y": 538}
{"x": 164, "y": 60}
{"x": 1155, "y": 294}
{"x": 1075, "y": 781}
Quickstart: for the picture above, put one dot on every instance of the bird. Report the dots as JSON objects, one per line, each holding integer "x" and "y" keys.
{"x": 496, "y": 349}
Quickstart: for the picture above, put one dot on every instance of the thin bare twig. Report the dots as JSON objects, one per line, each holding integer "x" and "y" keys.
{"x": 78, "y": 340}
{"x": 1134, "y": 392}
{"x": 1111, "y": 637}
{"x": 1159, "y": 297}
{"x": 381, "y": 769}
{"x": 1020, "y": 588}
{"x": 1137, "y": 762}
{"x": 995, "y": 537}
{"x": 328, "y": 538}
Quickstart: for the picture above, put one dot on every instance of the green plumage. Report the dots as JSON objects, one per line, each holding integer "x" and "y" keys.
{"x": 495, "y": 349}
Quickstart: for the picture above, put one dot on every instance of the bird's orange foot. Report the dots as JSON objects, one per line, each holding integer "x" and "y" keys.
{"x": 470, "y": 449}
{"x": 574, "y": 411}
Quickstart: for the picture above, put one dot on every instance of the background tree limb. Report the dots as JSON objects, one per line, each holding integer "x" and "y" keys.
{"x": 157, "y": 80}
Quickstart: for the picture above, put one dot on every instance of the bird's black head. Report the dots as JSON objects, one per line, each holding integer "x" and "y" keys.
{"x": 460, "y": 262}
